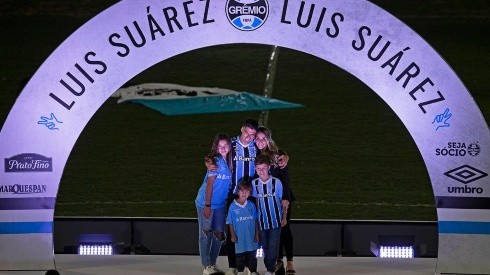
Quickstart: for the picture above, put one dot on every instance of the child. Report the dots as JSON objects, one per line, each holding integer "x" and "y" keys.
{"x": 211, "y": 204}
{"x": 244, "y": 228}
{"x": 267, "y": 146}
{"x": 272, "y": 214}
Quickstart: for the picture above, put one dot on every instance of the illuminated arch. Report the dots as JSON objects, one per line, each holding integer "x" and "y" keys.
{"x": 131, "y": 36}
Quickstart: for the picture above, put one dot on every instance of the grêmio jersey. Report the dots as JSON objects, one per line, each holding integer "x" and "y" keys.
{"x": 243, "y": 161}
{"x": 221, "y": 185}
{"x": 243, "y": 218}
{"x": 268, "y": 194}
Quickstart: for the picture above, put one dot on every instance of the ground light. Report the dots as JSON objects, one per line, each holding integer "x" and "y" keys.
{"x": 260, "y": 253}
{"x": 396, "y": 252}
{"x": 95, "y": 244}
{"x": 396, "y": 246}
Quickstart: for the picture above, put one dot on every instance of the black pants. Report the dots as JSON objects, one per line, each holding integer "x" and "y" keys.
{"x": 247, "y": 259}
{"x": 230, "y": 246}
{"x": 230, "y": 249}
{"x": 286, "y": 239}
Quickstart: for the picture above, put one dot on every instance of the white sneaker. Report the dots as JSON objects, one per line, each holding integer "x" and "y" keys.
{"x": 232, "y": 271}
{"x": 241, "y": 273}
{"x": 246, "y": 271}
{"x": 254, "y": 273}
{"x": 208, "y": 270}
{"x": 216, "y": 269}
{"x": 268, "y": 273}
{"x": 212, "y": 269}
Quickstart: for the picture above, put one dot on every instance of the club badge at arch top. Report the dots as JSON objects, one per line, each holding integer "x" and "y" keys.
{"x": 247, "y": 15}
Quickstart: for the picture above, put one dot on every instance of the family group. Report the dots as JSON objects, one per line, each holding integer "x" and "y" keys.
{"x": 245, "y": 199}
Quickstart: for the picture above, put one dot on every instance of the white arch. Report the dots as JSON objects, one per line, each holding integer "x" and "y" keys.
{"x": 98, "y": 58}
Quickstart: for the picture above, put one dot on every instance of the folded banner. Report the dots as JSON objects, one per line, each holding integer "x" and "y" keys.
{"x": 173, "y": 99}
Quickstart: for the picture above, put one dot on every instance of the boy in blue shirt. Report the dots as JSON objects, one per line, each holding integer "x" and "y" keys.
{"x": 244, "y": 230}
{"x": 272, "y": 214}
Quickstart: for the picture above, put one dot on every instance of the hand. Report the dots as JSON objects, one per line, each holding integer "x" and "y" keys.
{"x": 284, "y": 221}
{"x": 285, "y": 204}
{"x": 282, "y": 161}
{"x": 206, "y": 212}
{"x": 234, "y": 238}
{"x": 210, "y": 165}
{"x": 256, "y": 238}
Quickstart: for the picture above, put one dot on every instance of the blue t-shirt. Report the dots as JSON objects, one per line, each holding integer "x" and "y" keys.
{"x": 269, "y": 196}
{"x": 221, "y": 186}
{"x": 243, "y": 218}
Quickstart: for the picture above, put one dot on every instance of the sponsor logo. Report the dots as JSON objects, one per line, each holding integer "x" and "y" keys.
{"x": 28, "y": 162}
{"x": 240, "y": 158}
{"x": 465, "y": 174}
{"x": 268, "y": 195}
{"x": 224, "y": 177}
{"x": 247, "y": 15}
{"x": 464, "y": 189}
{"x": 241, "y": 219}
{"x": 459, "y": 149}
{"x": 23, "y": 189}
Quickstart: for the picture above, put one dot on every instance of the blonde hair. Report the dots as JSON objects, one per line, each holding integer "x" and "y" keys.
{"x": 271, "y": 150}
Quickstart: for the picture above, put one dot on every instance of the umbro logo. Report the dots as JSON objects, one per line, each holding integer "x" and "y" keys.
{"x": 465, "y": 174}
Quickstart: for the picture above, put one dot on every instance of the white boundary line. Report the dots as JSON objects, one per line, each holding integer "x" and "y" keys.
{"x": 321, "y": 202}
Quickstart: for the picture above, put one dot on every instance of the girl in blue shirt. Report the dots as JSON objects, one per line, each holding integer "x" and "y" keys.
{"x": 211, "y": 204}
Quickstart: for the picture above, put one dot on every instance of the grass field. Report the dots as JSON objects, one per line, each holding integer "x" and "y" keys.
{"x": 132, "y": 161}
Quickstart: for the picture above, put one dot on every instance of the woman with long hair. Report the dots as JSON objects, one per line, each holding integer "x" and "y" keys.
{"x": 267, "y": 146}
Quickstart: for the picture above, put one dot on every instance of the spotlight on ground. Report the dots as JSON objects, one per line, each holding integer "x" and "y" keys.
{"x": 260, "y": 253}
{"x": 396, "y": 246}
{"x": 396, "y": 252}
{"x": 95, "y": 244}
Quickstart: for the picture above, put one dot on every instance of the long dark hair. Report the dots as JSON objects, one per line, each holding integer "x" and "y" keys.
{"x": 215, "y": 151}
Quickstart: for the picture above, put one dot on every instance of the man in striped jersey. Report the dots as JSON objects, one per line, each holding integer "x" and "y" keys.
{"x": 272, "y": 210}
{"x": 243, "y": 151}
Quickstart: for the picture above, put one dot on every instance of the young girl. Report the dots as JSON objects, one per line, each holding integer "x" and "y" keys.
{"x": 211, "y": 204}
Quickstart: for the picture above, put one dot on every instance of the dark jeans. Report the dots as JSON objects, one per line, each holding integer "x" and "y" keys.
{"x": 230, "y": 249}
{"x": 286, "y": 239}
{"x": 269, "y": 239}
{"x": 230, "y": 246}
{"x": 246, "y": 259}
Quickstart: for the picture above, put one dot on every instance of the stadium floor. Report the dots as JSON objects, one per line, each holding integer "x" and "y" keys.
{"x": 69, "y": 264}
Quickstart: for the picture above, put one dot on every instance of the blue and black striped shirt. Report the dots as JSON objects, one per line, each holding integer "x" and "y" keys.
{"x": 243, "y": 161}
{"x": 269, "y": 205}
